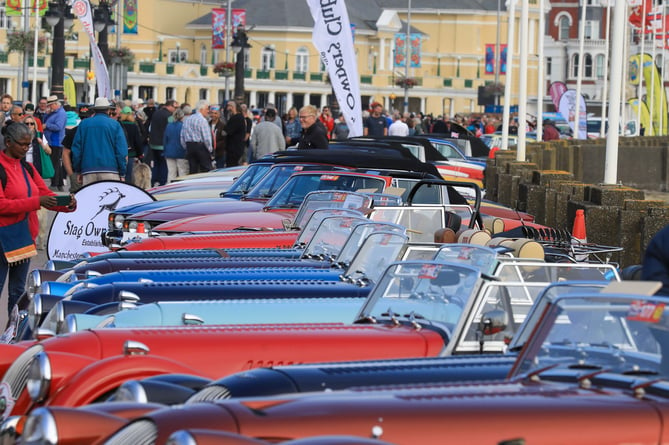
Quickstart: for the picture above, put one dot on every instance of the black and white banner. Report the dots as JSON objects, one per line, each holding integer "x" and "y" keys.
{"x": 81, "y": 231}
{"x": 333, "y": 38}
{"x": 82, "y": 8}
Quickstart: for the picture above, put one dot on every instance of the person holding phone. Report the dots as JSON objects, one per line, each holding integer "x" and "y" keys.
{"x": 22, "y": 193}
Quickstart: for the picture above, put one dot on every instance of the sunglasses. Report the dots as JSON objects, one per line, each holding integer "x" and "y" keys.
{"x": 32, "y": 124}
{"x": 17, "y": 114}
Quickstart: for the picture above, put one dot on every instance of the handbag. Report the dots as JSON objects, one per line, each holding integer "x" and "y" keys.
{"x": 17, "y": 244}
{"x": 15, "y": 239}
{"x": 47, "y": 166}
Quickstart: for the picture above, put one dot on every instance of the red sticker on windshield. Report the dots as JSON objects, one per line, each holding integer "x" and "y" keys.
{"x": 428, "y": 271}
{"x": 329, "y": 177}
{"x": 645, "y": 311}
{"x": 339, "y": 197}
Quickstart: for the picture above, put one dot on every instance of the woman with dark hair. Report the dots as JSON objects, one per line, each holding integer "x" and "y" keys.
{"x": 133, "y": 136}
{"x": 22, "y": 193}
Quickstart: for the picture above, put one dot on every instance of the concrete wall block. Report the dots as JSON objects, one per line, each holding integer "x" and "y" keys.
{"x": 534, "y": 197}
{"x": 523, "y": 170}
{"x": 608, "y": 195}
{"x": 630, "y": 222}
{"x": 549, "y": 177}
{"x": 561, "y": 215}
{"x": 644, "y": 175}
{"x": 565, "y": 158}
{"x": 550, "y": 217}
{"x": 505, "y": 194}
{"x": 656, "y": 218}
{"x": 574, "y": 190}
{"x": 491, "y": 181}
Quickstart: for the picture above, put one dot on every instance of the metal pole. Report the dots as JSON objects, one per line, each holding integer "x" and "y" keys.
{"x": 541, "y": 88}
{"x": 35, "y": 48}
{"x": 509, "y": 75}
{"x": 407, "y": 59}
{"x": 498, "y": 55}
{"x": 228, "y": 35}
{"x": 522, "y": 80}
{"x": 25, "y": 10}
{"x": 602, "y": 129}
{"x": 58, "y": 55}
{"x": 579, "y": 77}
{"x": 611, "y": 162}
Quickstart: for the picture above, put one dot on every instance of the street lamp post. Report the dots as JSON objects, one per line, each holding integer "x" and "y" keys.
{"x": 58, "y": 16}
{"x": 240, "y": 44}
{"x": 178, "y": 52}
{"x": 101, "y": 22}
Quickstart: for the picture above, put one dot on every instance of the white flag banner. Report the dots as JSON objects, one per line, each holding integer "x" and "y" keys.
{"x": 333, "y": 38}
{"x": 82, "y": 9}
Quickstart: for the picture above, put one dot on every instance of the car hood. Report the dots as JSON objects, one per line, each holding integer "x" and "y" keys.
{"x": 228, "y": 221}
{"x": 196, "y": 208}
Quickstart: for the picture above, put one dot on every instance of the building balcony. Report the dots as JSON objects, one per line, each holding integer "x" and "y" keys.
{"x": 169, "y": 68}
{"x": 81, "y": 63}
{"x": 204, "y": 70}
{"x": 299, "y": 75}
{"x": 281, "y": 75}
{"x": 248, "y": 73}
{"x": 4, "y": 57}
{"x": 316, "y": 77}
{"x": 40, "y": 61}
{"x": 366, "y": 79}
{"x": 262, "y": 74}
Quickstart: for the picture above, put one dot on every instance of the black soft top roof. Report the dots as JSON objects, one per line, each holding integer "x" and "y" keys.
{"x": 375, "y": 156}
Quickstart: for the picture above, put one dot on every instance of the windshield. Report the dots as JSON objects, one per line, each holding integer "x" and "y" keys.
{"x": 294, "y": 191}
{"x": 278, "y": 175}
{"x": 247, "y": 180}
{"x": 429, "y": 292}
{"x": 447, "y": 150}
{"x": 616, "y": 333}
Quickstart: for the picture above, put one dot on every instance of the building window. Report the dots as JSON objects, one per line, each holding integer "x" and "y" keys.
{"x": 203, "y": 93}
{"x": 302, "y": 60}
{"x": 591, "y": 29}
{"x": 4, "y": 21}
{"x": 268, "y": 60}
{"x": 574, "y": 65}
{"x": 169, "y": 93}
{"x": 145, "y": 91}
{"x": 565, "y": 25}
{"x": 172, "y": 55}
{"x": 600, "y": 69}
{"x": 203, "y": 55}
{"x": 587, "y": 65}
{"x": 549, "y": 66}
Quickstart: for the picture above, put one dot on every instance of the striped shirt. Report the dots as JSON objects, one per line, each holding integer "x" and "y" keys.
{"x": 196, "y": 129}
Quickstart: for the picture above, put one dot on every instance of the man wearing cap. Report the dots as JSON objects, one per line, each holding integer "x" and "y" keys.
{"x": 99, "y": 148}
{"x": 54, "y": 131}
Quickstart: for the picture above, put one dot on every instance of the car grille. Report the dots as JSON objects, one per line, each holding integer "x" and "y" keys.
{"x": 209, "y": 394}
{"x": 17, "y": 374}
{"x": 141, "y": 432}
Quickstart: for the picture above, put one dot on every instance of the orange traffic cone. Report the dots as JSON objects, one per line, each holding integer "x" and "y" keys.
{"x": 578, "y": 231}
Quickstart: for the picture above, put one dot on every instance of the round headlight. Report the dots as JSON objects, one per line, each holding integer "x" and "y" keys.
{"x": 40, "y": 428}
{"x": 130, "y": 391}
{"x": 181, "y": 437}
{"x": 35, "y": 309}
{"x": 132, "y": 226}
{"x": 39, "y": 377}
{"x": 33, "y": 282}
{"x": 118, "y": 221}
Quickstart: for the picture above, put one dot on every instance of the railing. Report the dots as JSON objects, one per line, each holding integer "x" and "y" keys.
{"x": 281, "y": 75}
{"x": 147, "y": 67}
{"x": 40, "y": 61}
{"x": 316, "y": 77}
{"x": 299, "y": 75}
{"x": 204, "y": 70}
{"x": 4, "y": 57}
{"x": 366, "y": 79}
{"x": 448, "y": 82}
{"x": 248, "y": 73}
{"x": 262, "y": 74}
{"x": 469, "y": 83}
{"x": 169, "y": 68}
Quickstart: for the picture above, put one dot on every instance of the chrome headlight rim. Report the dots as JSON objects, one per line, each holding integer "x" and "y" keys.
{"x": 40, "y": 427}
{"x": 39, "y": 377}
{"x": 33, "y": 282}
{"x": 35, "y": 309}
{"x": 181, "y": 437}
{"x": 117, "y": 221}
{"x": 131, "y": 391}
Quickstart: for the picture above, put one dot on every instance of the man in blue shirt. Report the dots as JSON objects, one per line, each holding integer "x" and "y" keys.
{"x": 100, "y": 149}
{"x": 54, "y": 131}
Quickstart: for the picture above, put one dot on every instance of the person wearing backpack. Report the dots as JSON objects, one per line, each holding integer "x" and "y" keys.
{"x": 22, "y": 194}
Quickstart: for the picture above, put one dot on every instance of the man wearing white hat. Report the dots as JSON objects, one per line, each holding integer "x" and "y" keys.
{"x": 99, "y": 149}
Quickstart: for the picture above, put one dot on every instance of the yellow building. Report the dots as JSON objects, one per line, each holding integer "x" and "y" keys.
{"x": 174, "y": 58}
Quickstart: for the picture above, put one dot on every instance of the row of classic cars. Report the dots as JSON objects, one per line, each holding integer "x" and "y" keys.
{"x": 406, "y": 298}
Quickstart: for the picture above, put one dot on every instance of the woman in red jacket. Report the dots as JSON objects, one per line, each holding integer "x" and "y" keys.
{"x": 22, "y": 193}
